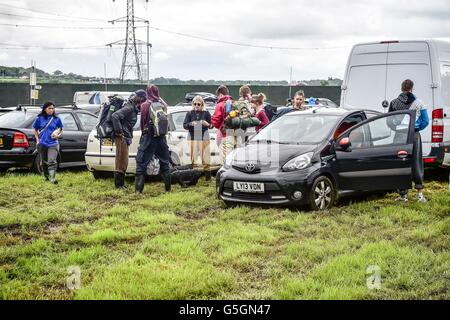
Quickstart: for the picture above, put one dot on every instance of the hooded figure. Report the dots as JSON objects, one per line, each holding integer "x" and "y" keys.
{"x": 150, "y": 146}
{"x": 408, "y": 101}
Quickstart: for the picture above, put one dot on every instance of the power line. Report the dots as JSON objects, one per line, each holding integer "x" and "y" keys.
{"x": 174, "y": 33}
{"x": 244, "y": 44}
{"x": 39, "y": 18}
{"x": 60, "y": 27}
{"x": 19, "y": 46}
{"x": 49, "y": 13}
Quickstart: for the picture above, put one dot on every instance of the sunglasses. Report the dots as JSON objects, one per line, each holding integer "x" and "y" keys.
{"x": 197, "y": 104}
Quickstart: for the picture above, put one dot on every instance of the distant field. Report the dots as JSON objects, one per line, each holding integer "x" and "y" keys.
{"x": 187, "y": 245}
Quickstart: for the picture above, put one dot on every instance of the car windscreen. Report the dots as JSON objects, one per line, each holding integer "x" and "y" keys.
{"x": 16, "y": 119}
{"x": 298, "y": 129}
{"x": 178, "y": 119}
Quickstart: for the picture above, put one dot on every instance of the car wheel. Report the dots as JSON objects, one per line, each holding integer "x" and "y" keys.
{"x": 101, "y": 174}
{"x": 322, "y": 194}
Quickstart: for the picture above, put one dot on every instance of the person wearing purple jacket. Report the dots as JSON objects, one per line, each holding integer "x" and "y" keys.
{"x": 150, "y": 144}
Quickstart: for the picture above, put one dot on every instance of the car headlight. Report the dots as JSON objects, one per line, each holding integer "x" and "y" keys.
{"x": 301, "y": 162}
{"x": 229, "y": 160}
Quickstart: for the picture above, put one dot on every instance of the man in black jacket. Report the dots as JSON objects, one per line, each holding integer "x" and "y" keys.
{"x": 123, "y": 122}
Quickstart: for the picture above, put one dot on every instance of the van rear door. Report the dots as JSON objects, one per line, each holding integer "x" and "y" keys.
{"x": 412, "y": 60}
{"x": 365, "y": 85}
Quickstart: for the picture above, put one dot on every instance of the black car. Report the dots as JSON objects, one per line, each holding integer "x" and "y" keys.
{"x": 307, "y": 157}
{"x": 18, "y": 145}
{"x": 207, "y": 97}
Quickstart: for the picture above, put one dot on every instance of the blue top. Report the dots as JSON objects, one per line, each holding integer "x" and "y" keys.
{"x": 45, "y": 136}
{"x": 422, "y": 120}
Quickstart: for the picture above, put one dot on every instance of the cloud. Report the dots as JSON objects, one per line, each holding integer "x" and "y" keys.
{"x": 161, "y": 56}
{"x": 331, "y": 26}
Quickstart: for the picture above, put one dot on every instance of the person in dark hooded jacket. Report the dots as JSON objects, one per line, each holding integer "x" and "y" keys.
{"x": 123, "y": 122}
{"x": 150, "y": 144}
{"x": 408, "y": 101}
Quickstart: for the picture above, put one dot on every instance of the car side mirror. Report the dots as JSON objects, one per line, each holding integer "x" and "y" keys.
{"x": 344, "y": 144}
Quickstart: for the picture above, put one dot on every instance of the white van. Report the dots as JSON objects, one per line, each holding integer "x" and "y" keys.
{"x": 96, "y": 97}
{"x": 374, "y": 75}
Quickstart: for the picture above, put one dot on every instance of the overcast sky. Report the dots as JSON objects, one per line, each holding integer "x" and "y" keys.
{"x": 322, "y": 32}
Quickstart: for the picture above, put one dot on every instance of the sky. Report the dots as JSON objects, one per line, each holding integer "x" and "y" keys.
{"x": 260, "y": 40}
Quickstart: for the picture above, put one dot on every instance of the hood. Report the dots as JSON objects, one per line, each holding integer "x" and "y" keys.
{"x": 406, "y": 98}
{"x": 268, "y": 155}
{"x": 225, "y": 98}
{"x": 153, "y": 93}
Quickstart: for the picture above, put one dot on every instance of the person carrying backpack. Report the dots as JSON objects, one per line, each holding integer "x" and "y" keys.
{"x": 232, "y": 120}
{"x": 154, "y": 126}
{"x": 408, "y": 101}
{"x": 48, "y": 129}
{"x": 123, "y": 122}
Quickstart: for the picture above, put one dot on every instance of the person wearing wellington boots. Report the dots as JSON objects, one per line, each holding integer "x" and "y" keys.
{"x": 123, "y": 122}
{"x": 152, "y": 144}
{"x": 48, "y": 128}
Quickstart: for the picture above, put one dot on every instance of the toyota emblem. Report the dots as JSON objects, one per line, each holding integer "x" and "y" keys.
{"x": 250, "y": 167}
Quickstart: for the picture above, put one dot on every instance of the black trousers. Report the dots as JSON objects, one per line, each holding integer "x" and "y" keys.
{"x": 148, "y": 147}
{"x": 418, "y": 168}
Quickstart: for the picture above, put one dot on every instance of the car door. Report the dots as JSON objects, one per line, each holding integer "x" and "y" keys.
{"x": 377, "y": 153}
{"x": 177, "y": 139}
{"x": 72, "y": 143}
{"x": 88, "y": 122}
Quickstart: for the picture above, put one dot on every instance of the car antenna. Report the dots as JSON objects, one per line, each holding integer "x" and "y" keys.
{"x": 318, "y": 108}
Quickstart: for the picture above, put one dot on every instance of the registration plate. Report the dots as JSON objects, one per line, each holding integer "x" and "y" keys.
{"x": 253, "y": 187}
{"x": 107, "y": 143}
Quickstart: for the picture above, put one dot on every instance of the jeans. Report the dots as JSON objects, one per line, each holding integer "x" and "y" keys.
{"x": 148, "y": 147}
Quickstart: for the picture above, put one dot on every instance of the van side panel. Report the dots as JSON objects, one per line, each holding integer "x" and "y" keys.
{"x": 412, "y": 60}
{"x": 364, "y": 82}
{"x": 443, "y": 100}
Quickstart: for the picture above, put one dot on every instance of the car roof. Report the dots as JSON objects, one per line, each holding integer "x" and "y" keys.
{"x": 325, "y": 111}
{"x": 36, "y": 109}
{"x": 184, "y": 107}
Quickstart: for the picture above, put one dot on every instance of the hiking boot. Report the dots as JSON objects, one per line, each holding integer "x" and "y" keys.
{"x": 139, "y": 182}
{"x": 119, "y": 180}
{"x": 52, "y": 176}
{"x": 167, "y": 181}
{"x": 45, "y": 174}
{"x": 421, "y": 197}
{"x": 402, "y": 198}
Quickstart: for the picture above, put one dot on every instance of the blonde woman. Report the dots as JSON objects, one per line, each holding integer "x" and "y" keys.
{"x": 197, "y": 122}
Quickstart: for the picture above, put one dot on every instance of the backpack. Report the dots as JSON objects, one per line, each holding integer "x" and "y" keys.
{"x": 105, "y": 127}
{"x": 159, "y": 119}
{"x": 238, "y": 115}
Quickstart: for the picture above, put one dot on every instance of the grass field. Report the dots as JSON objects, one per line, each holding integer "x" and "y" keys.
{"x": 187, "y": 245}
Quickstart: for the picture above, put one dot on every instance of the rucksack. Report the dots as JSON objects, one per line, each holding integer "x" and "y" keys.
{"x": 105, "y": 127}
{"x": 159, "y": 119}
{"x": 238, "y": 115}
